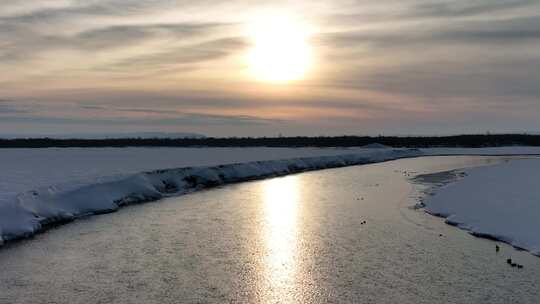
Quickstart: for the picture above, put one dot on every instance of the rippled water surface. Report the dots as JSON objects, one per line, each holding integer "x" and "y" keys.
{"x": 335, "y": 236}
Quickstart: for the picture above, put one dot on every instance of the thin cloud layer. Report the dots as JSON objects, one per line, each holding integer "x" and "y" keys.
{"x": 394, "y": 67}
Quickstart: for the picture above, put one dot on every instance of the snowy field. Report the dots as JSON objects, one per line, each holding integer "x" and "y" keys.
{"x": 39, "y": 187}
{"x": 500, "y": 201}
{"x": 484, "y": 151}
{"x": 27, "y": 169}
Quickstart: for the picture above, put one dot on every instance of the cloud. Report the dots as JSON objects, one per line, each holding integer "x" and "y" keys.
{"x": 466, "y": 8}
{"x": 10, "y": 107}
{"x": 184, "y": 55}
{"x": 5, "y": 109}
{"x": 421, "y": 11}
{"x": 483, "y": 80}
{"x": 485, "y": 58}
{"x": 42, "y": 13}
{"x": 22, "y": 43}
{"x": 187, "y": 119}
{"x": 137, "y": 101}
{"x": 390, "y": 58}
{"x": 455, "y": 8}
{"x": 465, "y": 33}
{"x": 92, "y": 107}
{"x": 119, "y": 36}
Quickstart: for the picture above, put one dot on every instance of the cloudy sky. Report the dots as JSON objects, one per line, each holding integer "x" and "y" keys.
{"x": 375, "y": 67}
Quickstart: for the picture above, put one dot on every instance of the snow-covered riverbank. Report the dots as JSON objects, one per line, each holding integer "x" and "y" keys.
{"x": 42, "y": 187}
{"x": 340, "y": 236}
{"x": 34, "y": 210}
{"x": 500, "y": 201}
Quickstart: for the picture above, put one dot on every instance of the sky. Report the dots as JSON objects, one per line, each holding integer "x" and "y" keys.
{"x": 263, "y": 68}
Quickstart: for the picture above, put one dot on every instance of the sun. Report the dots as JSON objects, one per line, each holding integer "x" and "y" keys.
{"x": 280, "y": 50}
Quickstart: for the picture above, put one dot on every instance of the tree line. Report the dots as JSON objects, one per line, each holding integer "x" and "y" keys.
{"x": 470, "y": 141}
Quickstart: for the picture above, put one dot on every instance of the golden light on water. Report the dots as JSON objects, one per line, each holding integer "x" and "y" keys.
{"x": 281, "y": 51}
{"x": 281, "y": 199}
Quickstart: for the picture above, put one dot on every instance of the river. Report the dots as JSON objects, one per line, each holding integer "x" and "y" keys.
{"x": 346, "y": 235}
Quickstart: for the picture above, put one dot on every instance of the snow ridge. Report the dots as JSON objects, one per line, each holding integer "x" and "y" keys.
{"x": 35, "y": 211}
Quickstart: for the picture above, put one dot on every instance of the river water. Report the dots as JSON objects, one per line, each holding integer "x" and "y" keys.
{"x": 345, "y": 235}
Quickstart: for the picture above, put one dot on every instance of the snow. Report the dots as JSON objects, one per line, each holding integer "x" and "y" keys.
{"x": 500, "y": 201}
{"x": 27, "y": 169}
{"x": 41, "y": 187}
{"x": 512, "y": 150}
{"x": 375, "y": 146}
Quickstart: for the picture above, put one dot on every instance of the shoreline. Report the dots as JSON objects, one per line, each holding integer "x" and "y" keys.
{"x": 42, "y": 209}
{"x": 47, "y": 207}
{"x": 429, "y": 185}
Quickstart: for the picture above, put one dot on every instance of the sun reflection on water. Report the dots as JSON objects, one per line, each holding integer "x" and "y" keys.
{"x": 281, "y": 197}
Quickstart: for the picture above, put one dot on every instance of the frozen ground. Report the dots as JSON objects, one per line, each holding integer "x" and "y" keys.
{"x": 39, "y": 187}
{"x": 500, "y": 201}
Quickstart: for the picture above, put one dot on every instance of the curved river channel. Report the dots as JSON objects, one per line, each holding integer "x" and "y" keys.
{"x": 345, "y": 235}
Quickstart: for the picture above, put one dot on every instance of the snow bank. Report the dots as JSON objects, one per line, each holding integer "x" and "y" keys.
{"x": 26, "y": 169}
{"x": 500, "y": 202}
{"x": 35, "y": 210}
{"x": 95, "y": 180}
{"x": 511, "y": 150}
{"x": 375, "y": 146}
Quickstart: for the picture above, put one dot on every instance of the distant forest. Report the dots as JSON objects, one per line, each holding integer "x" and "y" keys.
{"x": 486, "y": 140}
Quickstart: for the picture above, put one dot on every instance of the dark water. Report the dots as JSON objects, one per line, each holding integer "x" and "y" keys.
{"x": 296, "y": 239}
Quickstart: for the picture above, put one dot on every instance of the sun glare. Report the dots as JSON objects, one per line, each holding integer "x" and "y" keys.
{"x": 281, "y": 51}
